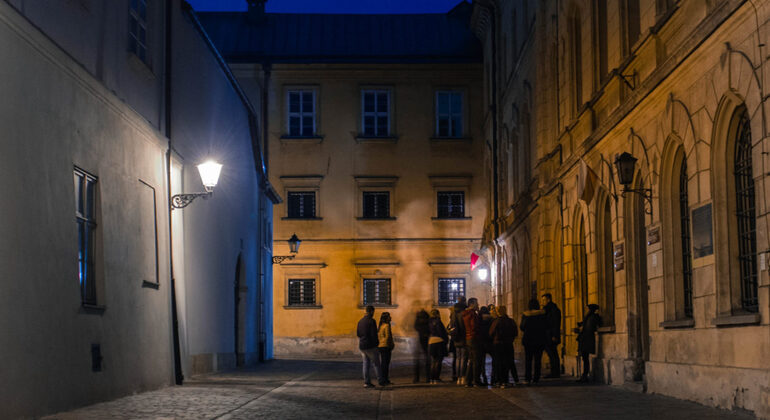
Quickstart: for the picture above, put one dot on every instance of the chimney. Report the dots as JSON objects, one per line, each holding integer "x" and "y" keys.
{"x": 256, "y": 11}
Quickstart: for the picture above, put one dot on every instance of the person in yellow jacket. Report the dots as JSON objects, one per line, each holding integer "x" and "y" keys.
{"x": 385, "y": 347}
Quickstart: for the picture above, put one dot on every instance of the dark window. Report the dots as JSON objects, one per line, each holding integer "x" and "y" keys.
{"x": 451, "y": 204}
{"x": 449, "y": 289}
{"x": 684, "y": 212}
{"x": 301, "y": 116}
{"x": 577, "y": 61}
{"x": 745, "y": 211}
{"x": 376, "y": 291}
{"x": 376, "y": 113}
{"x": 85, "y": 217}
{"x": 602, "y": 27}
{"x": 449, "y": 114}
{"x": 633, "y": 24}
{"x": 301, "y": 205}
{"x": 301, "y": 292}
{"x": 376, "y": 204}
{"x": 137, "y": 28}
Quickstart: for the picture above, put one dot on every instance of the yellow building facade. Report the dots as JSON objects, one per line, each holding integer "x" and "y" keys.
{"x": 679, "y": 267}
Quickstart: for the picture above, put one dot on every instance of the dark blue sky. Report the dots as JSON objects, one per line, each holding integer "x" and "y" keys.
{"x": 334, "y": 6}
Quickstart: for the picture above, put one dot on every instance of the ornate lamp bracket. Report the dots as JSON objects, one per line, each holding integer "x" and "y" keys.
{"x": 181, "y": 201}
{"x": 281, "y": 258}
{"x": 646, "y": 194}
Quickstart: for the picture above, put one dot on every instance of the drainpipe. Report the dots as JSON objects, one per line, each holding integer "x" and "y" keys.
{"x": 178, "y": 376}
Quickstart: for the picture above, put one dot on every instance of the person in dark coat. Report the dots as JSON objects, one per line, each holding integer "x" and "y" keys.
{"x": 486, "y": 342}
{"x": 553, "y": 316}
{"x": 367, "y": 345}
{"x": 473, "y": 344}
{"x": 437, "y": 344}
{"x": 421, "y": 358}
{"x": 534, "y": 325}
{"x": 587, "y": 338}
{"x": 456, "y": 330}
{"x": 503, "y": 331}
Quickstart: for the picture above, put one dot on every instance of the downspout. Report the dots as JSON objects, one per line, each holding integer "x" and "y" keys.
{"x": 178, "y": 376}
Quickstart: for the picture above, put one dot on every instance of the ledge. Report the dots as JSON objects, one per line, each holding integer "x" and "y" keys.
{"x": 375, "y": 218}
{"x": 606, "y": 330}
{"x": 737, "y": 320}
{"x": 302, "y": 306}
{"x": 378, "y": 139}
{"x": 92, "y": 309}
{"x": 678, "y": 323}
{"x": 451, "y": 140}
{"x": 302, "y": 218}
{"x": 301, "y": 139}
{"x": 450, "y": 218}
{"x": 150, "y": 284}
{"x": 376, "y": 306}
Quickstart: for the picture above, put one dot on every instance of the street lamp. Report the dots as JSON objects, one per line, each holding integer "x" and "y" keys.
{"x": 482, "y": 273}
{"x": 626, "y": 167}
{"x": 209, "y": 172}
{"x": 294, "y": 242}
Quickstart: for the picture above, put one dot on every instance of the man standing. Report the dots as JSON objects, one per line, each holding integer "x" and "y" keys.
{"x": 457, "y": 332}
{"x": 553, "y": 318}
{"x": 472, "y": 321}
{"x": 421, "y": 357}
{"x": 367, "y": 344}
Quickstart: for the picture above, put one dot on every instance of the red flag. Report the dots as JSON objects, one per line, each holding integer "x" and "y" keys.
{"x": 474, "y": 259}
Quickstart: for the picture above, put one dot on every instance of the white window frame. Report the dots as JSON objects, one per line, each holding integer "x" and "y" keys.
{"x": 136, "y": 46}
{"x": 376, "y": 113}
{"x": 301, "y": 114}
{"x": 450, "y": 114}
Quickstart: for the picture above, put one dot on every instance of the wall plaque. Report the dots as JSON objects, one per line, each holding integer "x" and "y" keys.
{"x": 702, "y": 234}
{"x": 653, "y": 235}
{"x": 618, "y": 254}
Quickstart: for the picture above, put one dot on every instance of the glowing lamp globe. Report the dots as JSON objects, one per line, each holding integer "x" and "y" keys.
{"x": 209, "y": 172}
{"x": 483, "y": 273}
{"x": 294, "y": 244}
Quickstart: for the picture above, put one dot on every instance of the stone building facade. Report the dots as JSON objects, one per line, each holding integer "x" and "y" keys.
{"x": 374, "y": 143}
{"x": 101, "y": 122}
{"x": 681, "y": 277}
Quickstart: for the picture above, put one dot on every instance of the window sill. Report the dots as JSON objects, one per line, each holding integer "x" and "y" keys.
{"x": 86, "y": 308}
{"x": 678, "y": 323}
{"x": 606, "y": 330}
{"x": 737, "y": 320}
{"x": 302, "y": 218}
{"x": 301, "y": 139}
{"x": 303, "y": 307}
{"x": 378, "y": 305}
{"x": 376, "y": 139}
{"x": 150, "y": 284}
{"x": 375, "y": 218}
{"x": 140, "y": 66}
{"x": 451, "y": 140}
{"x": 450, "y": 218}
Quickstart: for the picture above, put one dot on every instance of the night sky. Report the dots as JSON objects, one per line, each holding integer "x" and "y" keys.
{"x": 333, "y": 6}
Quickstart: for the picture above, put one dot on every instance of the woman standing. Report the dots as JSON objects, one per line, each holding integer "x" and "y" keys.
{"x": 437, "y": 342}
{"x": 534, "y": 325}
{"x": 587, "y": 338}
{"x": 385, "y": 347}
{"x": 503, "y": 331}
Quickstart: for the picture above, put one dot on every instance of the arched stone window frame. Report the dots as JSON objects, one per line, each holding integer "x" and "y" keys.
{"x": 604, "y": 257}
{"x": 580, "y": 251}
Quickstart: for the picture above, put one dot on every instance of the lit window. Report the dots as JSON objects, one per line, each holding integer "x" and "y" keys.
{"x": 301, "y": 116}
{"x": 449, "y": 289}
{"x": 451, "y": 204}
{"x": 301, "y": 205}
{"x": 376, "y": 204}
{"x": 301, "y": 292}
{"x": 376, "y": 291}
{"x": 137, "y": 28}
{"x": 85, "y": 217}
{"x": 449, "y": 114}
{"x": 376, "y": 113}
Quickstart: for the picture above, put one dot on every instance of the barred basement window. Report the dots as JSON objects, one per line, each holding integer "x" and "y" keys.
{"x": 449, "y": 289}
{"x": 301, "y": 113}
{"x": 376, "y": 113}
{"x": 376, "y": 204}
{"x": 376, "y": 291}
{"x": 301, "y": 204}
{"x": 451, "y": 204}
{"x": 745, "y": 212}
{"x": 449, "y": 114}
{"x": 302, "y": 292}
{"x": 85, "y": 217}
{"x": 684, "y": 213}
{"x": 137, "y": 28}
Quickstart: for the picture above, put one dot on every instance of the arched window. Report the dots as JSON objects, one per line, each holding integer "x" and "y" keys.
{"x": 575, "y": 60}
{"x": 600, "y": 32}
{"x": 581, "y": 268}
{"x": 746, "y": 215}
{"x": 684, "y": 216}
{"x": 606, "y": 281}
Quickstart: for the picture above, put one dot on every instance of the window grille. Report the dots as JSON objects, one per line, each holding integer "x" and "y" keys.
{"x": 376, "y": 113}
{"x": 85, "y": 217}
{"x": 137, "y": 28}
{"x": 376, "y": 291}
{"x": 684, "y": 213}
{"x": 451, "y": 204}
{"x": 449, "y": 289}
{"x": 301, "y": 205}
{"x": 745, "y": 212}
{"x": 376, "y": 204}
{"x": 449, "y": 114}
{"x": 302, "y": 292}
{"x": 301, "y": 116}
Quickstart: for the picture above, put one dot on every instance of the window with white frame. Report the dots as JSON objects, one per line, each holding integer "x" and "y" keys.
{"x": 301, "y": 118}
{"x": 449, "y": 288}
{"x": 377, "y": 291}
{"x": 85, "y": 217}
{"x": 451, "y": 204}
{"x": 302, "y": 292}
{"x": 375, "y": 113}
{"x": 301, "y": 204}
{"x": 137, "y": 28}
{"x": 449, "y": 114}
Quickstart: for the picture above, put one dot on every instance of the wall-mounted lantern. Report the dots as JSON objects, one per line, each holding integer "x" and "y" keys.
{"x": 626, "y": 167}
{"x": 209, "y": 172}
{"x": 294, "y": 242}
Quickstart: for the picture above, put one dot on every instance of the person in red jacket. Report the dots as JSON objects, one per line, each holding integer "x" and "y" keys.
{"x": 472, "y": 322}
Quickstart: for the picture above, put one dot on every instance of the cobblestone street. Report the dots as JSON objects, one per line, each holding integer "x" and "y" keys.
{"x": 307, "y": 389}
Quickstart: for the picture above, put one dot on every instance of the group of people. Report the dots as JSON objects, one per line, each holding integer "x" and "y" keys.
{"x": 472, "y": 333}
